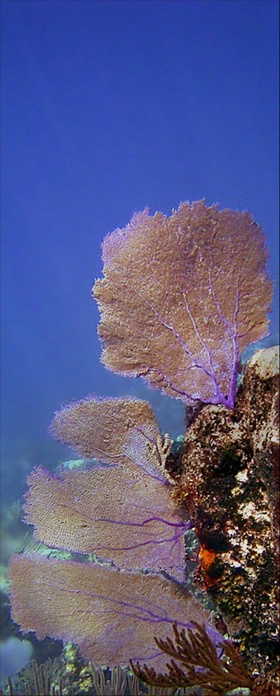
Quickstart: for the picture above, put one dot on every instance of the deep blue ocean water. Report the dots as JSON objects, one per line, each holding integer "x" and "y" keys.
{"x": 108, "y": 107}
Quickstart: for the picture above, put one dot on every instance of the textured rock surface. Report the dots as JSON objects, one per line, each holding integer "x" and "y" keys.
{"x": 229, "y": 486}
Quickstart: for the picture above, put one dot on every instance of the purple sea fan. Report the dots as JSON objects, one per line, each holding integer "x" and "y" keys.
{"x": 109, "y": 613}
{"x": 113, "y": 431}
{"x": 124, "y": 512}
{"x": 181, "y": 298}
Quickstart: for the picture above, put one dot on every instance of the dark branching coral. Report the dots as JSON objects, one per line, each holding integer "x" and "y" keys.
{"x": 195, "y": 662}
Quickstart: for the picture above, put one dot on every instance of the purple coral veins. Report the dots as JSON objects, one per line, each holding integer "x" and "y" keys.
{"x": 181, "y": 298}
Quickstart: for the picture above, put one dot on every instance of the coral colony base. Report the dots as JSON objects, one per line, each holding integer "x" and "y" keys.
{"x": 181, "y": 298}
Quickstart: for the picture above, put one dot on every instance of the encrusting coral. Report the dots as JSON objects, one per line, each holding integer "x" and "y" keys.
{"x": 180, "y": 299}
{"x": 230, "y": 487}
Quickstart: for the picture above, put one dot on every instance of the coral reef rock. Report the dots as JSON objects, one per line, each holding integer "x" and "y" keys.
{"x": 230, "y": 487}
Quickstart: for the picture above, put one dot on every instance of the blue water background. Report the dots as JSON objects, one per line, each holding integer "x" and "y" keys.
{"x": 108, "y": 107}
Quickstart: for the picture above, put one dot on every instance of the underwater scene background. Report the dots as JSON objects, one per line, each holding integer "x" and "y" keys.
{"x": 109, "y": 107}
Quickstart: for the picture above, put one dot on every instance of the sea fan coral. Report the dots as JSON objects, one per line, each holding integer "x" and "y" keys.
{"x": 109, "y": 613}
{"x": 181, "y": 297}
{"x": 122, "y": 516}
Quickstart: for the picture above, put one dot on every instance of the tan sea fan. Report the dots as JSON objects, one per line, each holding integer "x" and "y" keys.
{"x": 181, "y": 298}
